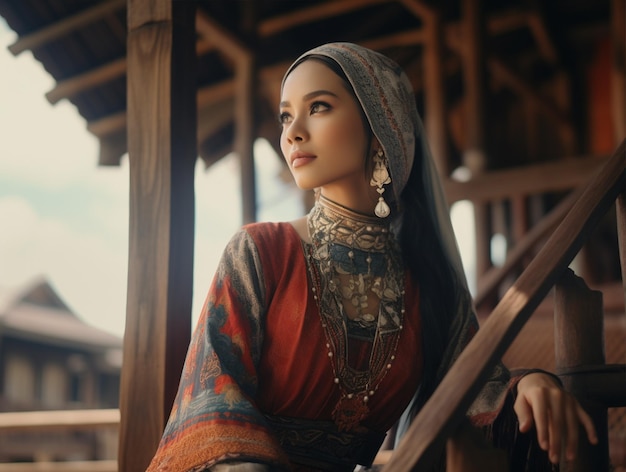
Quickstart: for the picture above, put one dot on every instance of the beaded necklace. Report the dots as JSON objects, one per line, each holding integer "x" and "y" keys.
{"x": 358, "y": 284}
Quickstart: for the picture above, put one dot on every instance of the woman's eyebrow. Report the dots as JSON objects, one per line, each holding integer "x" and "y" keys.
{"x": 310, "y": 96}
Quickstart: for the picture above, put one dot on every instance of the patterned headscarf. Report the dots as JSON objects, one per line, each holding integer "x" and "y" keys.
{"x": 386, "y": 97}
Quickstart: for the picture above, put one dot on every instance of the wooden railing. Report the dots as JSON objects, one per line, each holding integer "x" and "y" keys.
{"x": 61, "y": 421}
{"x": 443, "y": 414}
{"x": 445, "y": 411}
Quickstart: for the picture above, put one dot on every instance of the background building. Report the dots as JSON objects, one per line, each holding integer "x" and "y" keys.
{"x": 51, "y": 360}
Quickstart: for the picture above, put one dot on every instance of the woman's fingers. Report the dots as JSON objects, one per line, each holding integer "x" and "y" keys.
{"x": 524, "y": 414}
{"x": 558, "y": 431}
{"x": 587, "y": 423}
{"x": 556, "y": 415}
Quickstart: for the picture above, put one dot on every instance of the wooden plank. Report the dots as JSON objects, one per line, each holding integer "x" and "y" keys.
{"x": 59, "y": 420}
{"x": 310, "y": 14}
{"x": 448, "y": 404}
{"x": 557, "y": 176}
{"x": 162, "y": 156}
{"x": 73, "y": 466}
{"x": 60, "y": 28}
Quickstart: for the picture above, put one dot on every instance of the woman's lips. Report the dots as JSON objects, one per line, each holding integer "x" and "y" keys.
{"x": 299, "y": 159}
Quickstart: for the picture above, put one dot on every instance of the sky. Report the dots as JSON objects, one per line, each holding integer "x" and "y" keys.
{"x": 64, "y": 218}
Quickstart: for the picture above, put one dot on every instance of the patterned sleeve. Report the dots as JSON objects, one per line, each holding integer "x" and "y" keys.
{"x": 490, "y": 400}
{"x": 214, "y": 418}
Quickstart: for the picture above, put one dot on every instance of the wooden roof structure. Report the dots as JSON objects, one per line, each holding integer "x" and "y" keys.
{"x": 500, "y": 84}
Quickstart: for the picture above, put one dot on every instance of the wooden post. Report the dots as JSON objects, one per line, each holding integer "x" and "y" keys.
{"x": 621, "y": 235}
{"x": 579, "y": 343}
{"x": 468, "y": 451}
{"x": 618, "y": 74}
{"x": 435, "y": 116}
{"x": 474, "y": 71}
{"x": 244, "y": 135}
{"x": 244, "y": 113}
{"x": 162, "y": 152}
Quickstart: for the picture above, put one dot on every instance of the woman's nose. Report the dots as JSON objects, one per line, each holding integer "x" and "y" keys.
{"x": 296, "y": 132}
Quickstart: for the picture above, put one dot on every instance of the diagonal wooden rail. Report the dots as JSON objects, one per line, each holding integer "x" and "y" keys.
{"x": 446, "y": 408}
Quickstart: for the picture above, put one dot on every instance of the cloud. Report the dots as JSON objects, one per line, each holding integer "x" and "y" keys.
{"x": 88, "y": 273}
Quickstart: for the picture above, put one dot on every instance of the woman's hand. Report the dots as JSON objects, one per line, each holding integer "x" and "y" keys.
{"x": 555, "y": 413}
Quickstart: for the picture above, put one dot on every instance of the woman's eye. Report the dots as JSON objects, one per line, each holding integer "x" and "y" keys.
{"x": 284, "y": 117}
{"x": 319, "y": 106}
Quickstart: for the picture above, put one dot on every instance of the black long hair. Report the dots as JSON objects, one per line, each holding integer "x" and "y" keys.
{"x": 439, "y": 284}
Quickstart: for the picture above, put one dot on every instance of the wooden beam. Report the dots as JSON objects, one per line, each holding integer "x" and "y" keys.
{"x": 447, "y": 406}
{"x": 64, "y": 420}
{"x": 403, "y": 38}
{"x": 70, "y": 466}
{"x": 496, "y": 24}
{"x": 115, "y": 69}
{"x": 211, "y": 119}
{"x": 244, "y": 136}
{"x": 108, "y": 125}
{"x": 311, "y": 14}
{"x": 87, "y": 80}
{"x": 434, "y": 91}
{"x": 620, "y": 209}
{"x": 475, "y": 152}
{"x": 210, "y": 94}
{"x": 112, "y": 148}
{"x": 206, "y": 97}
{"x": 419, "y": 9}
{"x": 212, "y": 31}
{"x": 244, "y": 106}
{"x": 505, "y": 74}
{"x": 491, "y": 280}
{"x": 539, "y": 31}
{"x": 60, "y": 28}
{"x": 555, "y": 176}
{"x": 162, "y": 155}
{"x": 618, "y": 68}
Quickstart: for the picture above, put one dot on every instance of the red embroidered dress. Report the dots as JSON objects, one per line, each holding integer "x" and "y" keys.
{"x": 257, "y": 383}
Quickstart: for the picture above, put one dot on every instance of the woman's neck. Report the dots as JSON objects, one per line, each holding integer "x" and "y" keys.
{"x": 362, "y": 202}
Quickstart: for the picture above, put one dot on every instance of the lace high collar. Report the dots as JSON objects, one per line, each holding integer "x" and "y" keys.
{"x": 330, "y": 222}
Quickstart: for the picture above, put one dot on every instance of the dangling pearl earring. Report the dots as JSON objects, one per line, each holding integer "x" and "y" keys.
{"x": 380, "y": 177}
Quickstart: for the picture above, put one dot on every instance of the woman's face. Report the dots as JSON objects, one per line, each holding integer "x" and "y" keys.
{"x": 324, "y": 138}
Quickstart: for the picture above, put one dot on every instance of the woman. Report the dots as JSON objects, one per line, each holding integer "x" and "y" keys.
{"x": 320, "y": 334}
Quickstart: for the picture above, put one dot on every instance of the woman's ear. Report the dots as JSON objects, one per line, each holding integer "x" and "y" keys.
{"x": 374, "y": 145}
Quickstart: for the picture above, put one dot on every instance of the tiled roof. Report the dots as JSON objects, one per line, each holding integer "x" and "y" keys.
{"x": 37, "y": 313}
